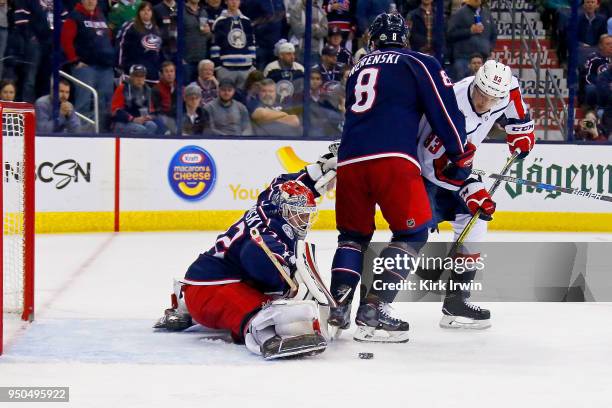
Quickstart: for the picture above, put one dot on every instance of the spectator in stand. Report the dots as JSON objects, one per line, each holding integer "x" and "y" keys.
{"x": 367, "y": 10}
{"x": 121, "y": 12}
{"x": 165, "y": 17}
{"x": 595, "y": 64}
{"x": 206, "y": 81}
{"x": 213, "y": 8}
{"x": 234, "y": 49}
{"x": 269, "y": 21}
{"x": 197, "y": 35}
{"x": 420, "y": 21}
{"x": 251, "y": 88}
{"x": 476, "y": 61}
{"x": 268, "y": 116}
{"x": 471, "y": 29}
{"x": 329, "y": 67}
{"x": 131, "y": 107}
{"x": 195, "y": 118}
{"x": 589, "y": 130}
{"x": 325, "y": 118}
{"x": 604, "y": 99}
{"x": 8, "y": 90}
{"x": 285, "y": 68}
{"x": 87, "y": 44}
{"x": 364, "y": 50}
{"x": 163, "y": 96}
{"x": 341, "y": 15}
{"x": 140, "y": 43}
{"x": 3, "y": 32}
{"x": 34, "y": 24}
{"x": 591, "y": 26}
{"x": 343, "y": 56}
{"x": 67, "y": 122}
{"x": 297, "y": 22}
{"x": 228, "y": 117}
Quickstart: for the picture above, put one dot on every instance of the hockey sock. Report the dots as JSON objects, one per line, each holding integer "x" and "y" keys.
{"x": 461, "y": 275}
{"x": 346, "y": 270}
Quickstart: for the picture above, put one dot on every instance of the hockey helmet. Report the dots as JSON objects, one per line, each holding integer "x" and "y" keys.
{"x": 388, "y": 30}
{"x": 297, "y": 206}
{"x": 494, "y": 79}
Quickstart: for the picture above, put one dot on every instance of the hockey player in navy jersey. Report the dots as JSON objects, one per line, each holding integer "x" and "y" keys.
{"x": 492, "y": 94}
{"x": 235, "y": 286}
{"x": 388, "y": 91}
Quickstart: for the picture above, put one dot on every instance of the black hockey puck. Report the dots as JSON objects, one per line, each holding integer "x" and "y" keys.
{"x": 366, "y": 356}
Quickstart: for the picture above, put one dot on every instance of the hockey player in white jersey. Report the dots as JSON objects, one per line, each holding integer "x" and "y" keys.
{"x": 492, "y": 94}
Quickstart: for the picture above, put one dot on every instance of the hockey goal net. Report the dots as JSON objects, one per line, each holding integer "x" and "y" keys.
{"x": 17, "y": 204}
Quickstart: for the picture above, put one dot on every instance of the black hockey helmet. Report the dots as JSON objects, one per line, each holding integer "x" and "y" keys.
{"x": 388, "y": 30}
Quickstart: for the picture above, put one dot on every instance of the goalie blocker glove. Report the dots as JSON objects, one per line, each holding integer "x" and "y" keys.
{"x": 476, "y": 197}
{"x": 520, "y": 136}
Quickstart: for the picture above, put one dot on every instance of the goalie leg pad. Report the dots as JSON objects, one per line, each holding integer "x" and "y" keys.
{"x": 285, "y": 328}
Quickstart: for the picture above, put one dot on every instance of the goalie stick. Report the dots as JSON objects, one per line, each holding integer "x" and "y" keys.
{"x": 544, "y": 186}
{"x": 256, "y": 236}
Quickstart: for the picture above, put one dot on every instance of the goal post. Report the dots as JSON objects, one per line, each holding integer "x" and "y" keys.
{"x": 17, "y": 191}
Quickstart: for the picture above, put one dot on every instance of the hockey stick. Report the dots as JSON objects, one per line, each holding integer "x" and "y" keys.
{"x": 435, "y": 274}
{"x": 544, "y": 186}
{"x": 256, "y": 236}
{"x": 472, "y": 221}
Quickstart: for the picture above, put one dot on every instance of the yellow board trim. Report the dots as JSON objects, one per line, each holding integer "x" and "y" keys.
{"x": 61, "y": 222}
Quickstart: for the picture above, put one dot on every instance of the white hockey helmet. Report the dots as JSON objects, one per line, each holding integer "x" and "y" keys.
{"x": 494, "y": 79}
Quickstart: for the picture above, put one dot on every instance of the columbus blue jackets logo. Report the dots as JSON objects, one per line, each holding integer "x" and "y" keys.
{"x": 192, "y": 173}
{"x": 237, "y": 38}
{"x": 151, "y": 42}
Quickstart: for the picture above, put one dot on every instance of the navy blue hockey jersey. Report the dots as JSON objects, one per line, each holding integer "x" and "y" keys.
{"x": 387, "y": 93}
{"x": 235, "y": 257}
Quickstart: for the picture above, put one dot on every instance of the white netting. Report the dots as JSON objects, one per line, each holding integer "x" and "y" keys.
{"x": 13, "y": 128}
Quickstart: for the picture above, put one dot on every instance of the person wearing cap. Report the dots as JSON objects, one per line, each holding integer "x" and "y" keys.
{"x": 297, "y": 22}
{"x": 131, "y": 105}
{"x": 343, "y": 55}
{"x": 330, "y": 68}
{"x": 285, "y": 68}
{"x": 195, "y": 118}
{"x": 228, "y": 117}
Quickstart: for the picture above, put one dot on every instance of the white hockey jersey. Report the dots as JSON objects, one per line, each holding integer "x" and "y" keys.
{"x": 477, "y": 127}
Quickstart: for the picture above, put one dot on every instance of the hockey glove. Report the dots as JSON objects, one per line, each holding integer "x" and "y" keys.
{"x": 323, "y": 173}
{"x": 465, "y": 159}
{"x": 476, "y": 197}
{"x": 520, "y": 137}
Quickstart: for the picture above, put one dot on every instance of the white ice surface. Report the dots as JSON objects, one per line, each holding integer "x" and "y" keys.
{"x": 98, "y": 295}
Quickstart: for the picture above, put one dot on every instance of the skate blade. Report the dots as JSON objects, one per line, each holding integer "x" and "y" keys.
{"x": 334, "y": 332}
{"x": 367, "y": 334}
{"x": 459, "y": 322}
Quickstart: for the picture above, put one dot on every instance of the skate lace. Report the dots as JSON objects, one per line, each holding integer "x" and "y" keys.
{"x": 472, "y": 306}
{"x": 386, "y": 310}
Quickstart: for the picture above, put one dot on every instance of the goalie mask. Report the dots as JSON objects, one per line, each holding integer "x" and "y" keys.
{"x": 297, "y": 206}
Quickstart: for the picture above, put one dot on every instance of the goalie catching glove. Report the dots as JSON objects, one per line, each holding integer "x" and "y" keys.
{"x": 520, "y": 137}
{"x": 476, "y": 197}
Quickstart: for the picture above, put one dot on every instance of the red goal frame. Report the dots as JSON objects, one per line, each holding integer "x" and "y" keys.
{"x": 29, "y": 172}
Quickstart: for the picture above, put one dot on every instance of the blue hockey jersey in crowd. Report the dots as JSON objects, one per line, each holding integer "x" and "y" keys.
{"x": 387, "y": 93}
{"x": 236, "y": 257}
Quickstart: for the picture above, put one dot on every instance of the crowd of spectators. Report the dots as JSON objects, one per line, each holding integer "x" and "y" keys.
{"x": 245, "y": 59}
{"x": 242, "y": 61}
